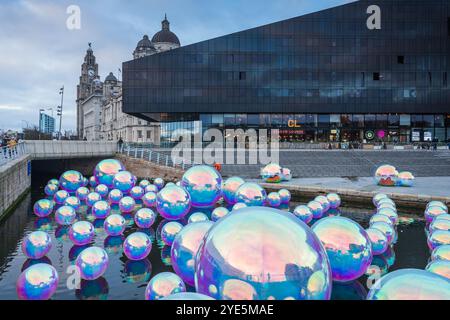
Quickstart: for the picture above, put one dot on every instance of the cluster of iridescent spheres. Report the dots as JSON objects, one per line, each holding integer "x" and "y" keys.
{"x": 246, "y": 248}
{"x": 388, "y": 176}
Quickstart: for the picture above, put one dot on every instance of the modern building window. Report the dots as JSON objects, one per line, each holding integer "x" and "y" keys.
{"x": 242, "y": 75}
{"x": 401, "y": 59}
{"x": 376, "y": 76}
{"x": 394, "y": 120}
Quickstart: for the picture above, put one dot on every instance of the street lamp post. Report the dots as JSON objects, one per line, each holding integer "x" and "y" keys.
{"x": 60, "y": 111}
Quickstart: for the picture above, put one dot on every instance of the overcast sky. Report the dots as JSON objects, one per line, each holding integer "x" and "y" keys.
{"x": 39, "y": 54}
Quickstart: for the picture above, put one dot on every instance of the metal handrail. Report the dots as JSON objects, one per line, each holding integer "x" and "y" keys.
{"x": 10, "y": 153}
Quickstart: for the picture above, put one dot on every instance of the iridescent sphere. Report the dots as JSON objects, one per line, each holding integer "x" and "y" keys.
{"x": 163, "y": 285}
{"x": 101, "y": 209}
{"x": 386, "y": 175}
{"x": 323, "y": 200}
{"x": 410, "y": 284}
{"x": 384, "y": 201}
{"x": 53, "y": 181}
{"x": 437, "y": 204}
{"x": 271, "y": 173}
{"x": 73, "y": 202}
{"x": 286, "y": 174}
{"x": 136, "y": 192}
{"x": 82, "y": 193}
{"x": 441, "y": 253}
{"x": 185, "y": 248}
{"x": 432, "y": 212}
{"x": 219, "y": 213}
{"x": 238, "y": 206}
{"x": 387, "y": 206}
{"x": 390, "y": 213}
{"x": 38, "y": 282}
{"x": 197, "y": 217}
{"x": 405, "y": 179}
{"x": 71, "y": 180}
{"x": 151, "y": 188}
{"x": 92, "y": 263}
{"x": 102, "y": 190}
{"x": 114, "y": 196}
{"x": 440, "y": 267}
{"x": 316, "y": 209}
{"x": 251, "y": 194}
{"x": 273, "y": 199}
{"x": 105, "y": 171}
{"x": 144, "y": 218}
{"x": 445, "y": 216}
{"x": 92, "y": 182}
{"x": 127, "y": 204}
{"x": 387, "y": 229}
{"x": 65, "y": 215}
{"x": 114, "y": 225}
{"x": 81, "y": 233}
{"x": 438, "y": 238}
{"x": 92, "y": 198}
{"x": 137, "y": 246}
{"x": 60, "y": 196}
{"x": 50, "y": 189}
{"x": 43, "y": 208}
{"x": 379, "y": 241}
{"x": 229, "y": 188}
{"x": 85, "y": 182}
{"x": 124, "y": 181}
{"x": 37, "y": 244}
{"x": 234, "y": 258}
{"x": 334, "y": 199}
{"x": 173, "y": 202}
{"x": 204, "y": 184}
{"x": 348, "y": 247}
{"x": 169, "y": 231}
{"x": 143, "y": 183}
{"x": 149, "y": 199}
{"x": 378, "y": 197}
{"x": 439, "y": 224}
{"x": 379, "y": 218}
{"x": 285, "y": 195}
{"x": 304, "y": 213}
{"x": 187, "y": 296}
{"x": 159, "y": 183}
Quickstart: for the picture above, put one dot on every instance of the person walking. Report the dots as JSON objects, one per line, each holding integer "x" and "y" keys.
{"x": 120, "y": 144}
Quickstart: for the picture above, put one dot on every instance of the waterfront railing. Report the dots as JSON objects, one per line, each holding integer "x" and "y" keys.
{"x": 9, "y": 153}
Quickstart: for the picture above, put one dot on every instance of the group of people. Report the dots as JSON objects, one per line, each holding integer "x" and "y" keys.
{"x": 8, "y": 146}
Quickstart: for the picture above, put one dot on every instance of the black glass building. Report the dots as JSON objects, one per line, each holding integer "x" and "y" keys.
{"x": 341, "y": 74}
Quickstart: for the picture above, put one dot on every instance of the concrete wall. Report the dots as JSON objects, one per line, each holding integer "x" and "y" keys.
{"x": 15, "y": 181}
{"x": 145, "y": 169}
{"x": 47, "y": 149}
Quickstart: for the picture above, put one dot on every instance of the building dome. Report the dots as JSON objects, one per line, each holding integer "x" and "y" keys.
{"x": 144, "y": 48}
{"x": 165, "y": 35}
{"x": 144, "y": 43}
{"x": 110, "y": 78}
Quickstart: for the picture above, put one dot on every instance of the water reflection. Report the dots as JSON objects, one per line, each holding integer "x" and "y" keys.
{"x": 97, "y": 289}
{"x": 31, "y": 262}
{"x": 137, "y": 271}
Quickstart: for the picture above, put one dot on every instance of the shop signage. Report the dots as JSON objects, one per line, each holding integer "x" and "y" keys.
{"x": 369, "y": 135}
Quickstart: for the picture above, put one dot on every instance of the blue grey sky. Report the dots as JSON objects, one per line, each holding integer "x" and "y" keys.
{"x": 38, "y": 54}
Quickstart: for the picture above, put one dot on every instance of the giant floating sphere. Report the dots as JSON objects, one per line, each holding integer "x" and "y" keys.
{"x": 218, "y": 213}
{"x": 151, "y": 188}
{"x": 124, "y": 181}
{"x": 143, "y": 183}
{"x": 379, "y": 241}
{"x": 169, "y": 231}
{"x": 261, "y": 251}
{"x": 137, "y": 246}
{"x": 149, "y": 199}
{"x": 173, "y": 202}
{"x": 60, "y": 196}
{"x": 440, "y": 267}
{"x": 101, "y": 209}
{"x": 387, "y": 229}
{"x": 378, "y": 197}
{"x": 102, "y": 190}
{"x": 92, "y": 198}
{"x": 390, "y": 213}
{"x": 438, "y": 238}
{"x": 439, "y": 224}
{"x": 238, "y": 206}
{"x": 406, "y": 179}
{"x": 92, "y": 182}
{"x": 437, "y": 204}
{"x": 379, "y": 218}
{"x": 441, "y": 253}
{"x": 229, "y": 188}
{"x": 251, "y": 194}
{"x": 81, "y": 233}
{"x": 285, "y": 195}
{"x": 324, "y": 202}
{"x": 71, "y": 180}
{"x": 386, "y": 205}
{"x": 197, "y": 217}
{"x": 386, "y": 175}
{"x": 53, "y": 181}
{"x": 334, "y": 199}
{"x": 316, "y": 209}
{"x": 159, "y": 183}
{"x": 347, "y": 245}
{"x": 445, "y": 216}
{"x": 114, "y": 196}
{"x": 105, "y": 171}
{"x": 204, "y": 185}
{"x": 144, "y": 218}
{"x": 127, "y": 204}
{"x": 286, "y": 174}
{"x": 272, "y": 173}
{"x": 185, "y": 247}
{"x": 43, "y": 208}
{"x": 114, "y": 225}
{"x": 187, "y": 296}
{"x": 82, "y": 193}
{"x": 50, "y": 190}
{"x": 163, "y": 285}
{"x": 65, "y": 215}
{"x": 432, "y": 212}
{"x": 385, "y": 201}
{"x": 410, "y": 284}
{"x": 136, "y": 192}
{"x": 304, "y": 213}
{"x": 273, "y": 199}
{"x": 37, "y": 244}
{"x": 73, "y": 202}
{"x": 38, "y": 282}
{"x": 92, "y": 263}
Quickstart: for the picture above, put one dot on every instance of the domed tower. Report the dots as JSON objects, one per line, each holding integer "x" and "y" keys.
{"x": 165, "y": 39}
{"x": 144, "y": 48}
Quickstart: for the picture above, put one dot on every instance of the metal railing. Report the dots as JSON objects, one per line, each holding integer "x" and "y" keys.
{"x": 10, "y": 153}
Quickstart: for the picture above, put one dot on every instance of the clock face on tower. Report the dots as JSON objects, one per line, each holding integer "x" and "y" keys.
{"x": 91, "y": 73}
